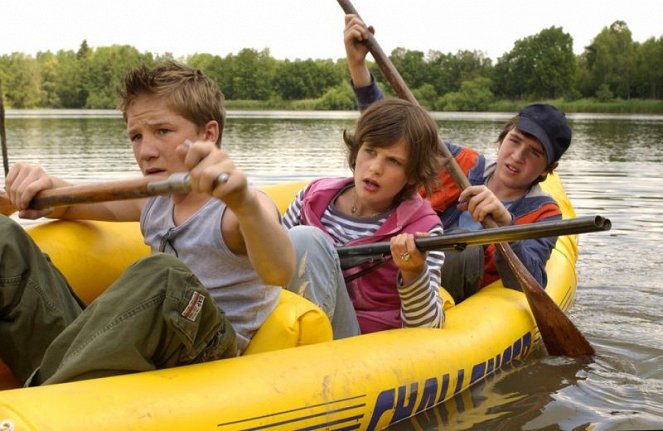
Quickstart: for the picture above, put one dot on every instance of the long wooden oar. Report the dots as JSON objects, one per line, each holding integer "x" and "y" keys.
{"x": 559, "y": 334}
{"x": 134, "y": 188}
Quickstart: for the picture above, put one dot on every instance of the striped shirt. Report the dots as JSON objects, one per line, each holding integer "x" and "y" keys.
{"x": 421, "y": 305}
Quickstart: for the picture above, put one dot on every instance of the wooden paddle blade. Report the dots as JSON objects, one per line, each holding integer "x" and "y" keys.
{"x": 558, "y": 333}
{"x": 560, "y": 336}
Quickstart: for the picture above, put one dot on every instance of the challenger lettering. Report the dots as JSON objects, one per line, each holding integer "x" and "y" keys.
{"x": 402, "y": 400}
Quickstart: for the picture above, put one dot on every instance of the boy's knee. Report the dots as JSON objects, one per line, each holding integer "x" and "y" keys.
{"x": 308, "y": 239}
{"x": 305, "y": 235}
{"x": 10, "y": 230}
{"x": 6, "y": 220}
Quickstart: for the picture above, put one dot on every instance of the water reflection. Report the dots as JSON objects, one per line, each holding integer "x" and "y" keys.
{"x": 616, "y": 141}
{"x": 500, "y": 402}
{"x": 287, "y": 148}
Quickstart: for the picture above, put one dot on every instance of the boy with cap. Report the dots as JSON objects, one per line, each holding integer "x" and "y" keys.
{"x": 506, "y": 188}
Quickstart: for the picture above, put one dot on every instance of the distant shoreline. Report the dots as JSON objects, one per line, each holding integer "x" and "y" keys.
{"x": 586, "y": 106}
{"x": 322, "y": 114}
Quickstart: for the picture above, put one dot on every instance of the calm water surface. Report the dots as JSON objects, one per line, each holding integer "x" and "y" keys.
{"x": 613, "y": 168}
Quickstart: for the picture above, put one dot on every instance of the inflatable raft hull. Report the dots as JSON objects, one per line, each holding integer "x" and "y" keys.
{"x": 365, "y": 382}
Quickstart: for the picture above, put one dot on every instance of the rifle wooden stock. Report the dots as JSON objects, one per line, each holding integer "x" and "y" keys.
{"x": 559, "y": 334}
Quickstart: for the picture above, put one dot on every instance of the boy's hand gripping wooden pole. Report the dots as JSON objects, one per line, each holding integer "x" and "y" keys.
{"x": 559, "y": 334}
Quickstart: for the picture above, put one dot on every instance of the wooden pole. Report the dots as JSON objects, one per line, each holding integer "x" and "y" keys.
{"x": 134, "y": 188}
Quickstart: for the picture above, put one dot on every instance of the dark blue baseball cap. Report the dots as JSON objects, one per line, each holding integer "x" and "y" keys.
{"x": 549, "y": 126}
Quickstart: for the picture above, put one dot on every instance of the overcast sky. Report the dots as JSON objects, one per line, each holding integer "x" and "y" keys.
{"x": 301, "y": 29}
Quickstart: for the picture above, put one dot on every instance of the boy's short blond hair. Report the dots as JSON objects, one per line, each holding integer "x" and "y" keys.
{"x": 189, "y": 92}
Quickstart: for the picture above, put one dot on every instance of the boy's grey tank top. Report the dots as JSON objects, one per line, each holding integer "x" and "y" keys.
{"x": 230, "y": 279}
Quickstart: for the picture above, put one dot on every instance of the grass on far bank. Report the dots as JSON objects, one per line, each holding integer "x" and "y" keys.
{"x": 617, "y": 106}
{"x": 266, "y": 105}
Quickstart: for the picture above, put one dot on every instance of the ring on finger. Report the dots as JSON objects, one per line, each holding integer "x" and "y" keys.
{"x": 405, "y": 256}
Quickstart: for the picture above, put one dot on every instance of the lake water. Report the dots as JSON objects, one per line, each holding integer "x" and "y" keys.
{"x": 613, "y": 169}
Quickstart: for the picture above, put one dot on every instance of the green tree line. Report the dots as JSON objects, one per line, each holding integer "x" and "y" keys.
{"x": 542, "y": 66}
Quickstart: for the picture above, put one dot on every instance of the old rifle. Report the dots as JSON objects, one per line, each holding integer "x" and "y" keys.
{"x": 354, "y": 255}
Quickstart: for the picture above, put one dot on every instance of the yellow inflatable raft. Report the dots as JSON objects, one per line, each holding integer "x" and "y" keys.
{"x": 292, "y": 375}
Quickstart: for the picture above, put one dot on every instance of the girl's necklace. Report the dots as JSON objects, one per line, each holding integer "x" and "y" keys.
{"x": 353, "y": 210}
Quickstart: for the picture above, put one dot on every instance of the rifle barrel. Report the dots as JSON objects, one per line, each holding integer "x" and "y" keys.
{"x": 486, "y": 236}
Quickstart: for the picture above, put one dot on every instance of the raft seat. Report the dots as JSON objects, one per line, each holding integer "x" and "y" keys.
{"x": 92, "y": 254}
